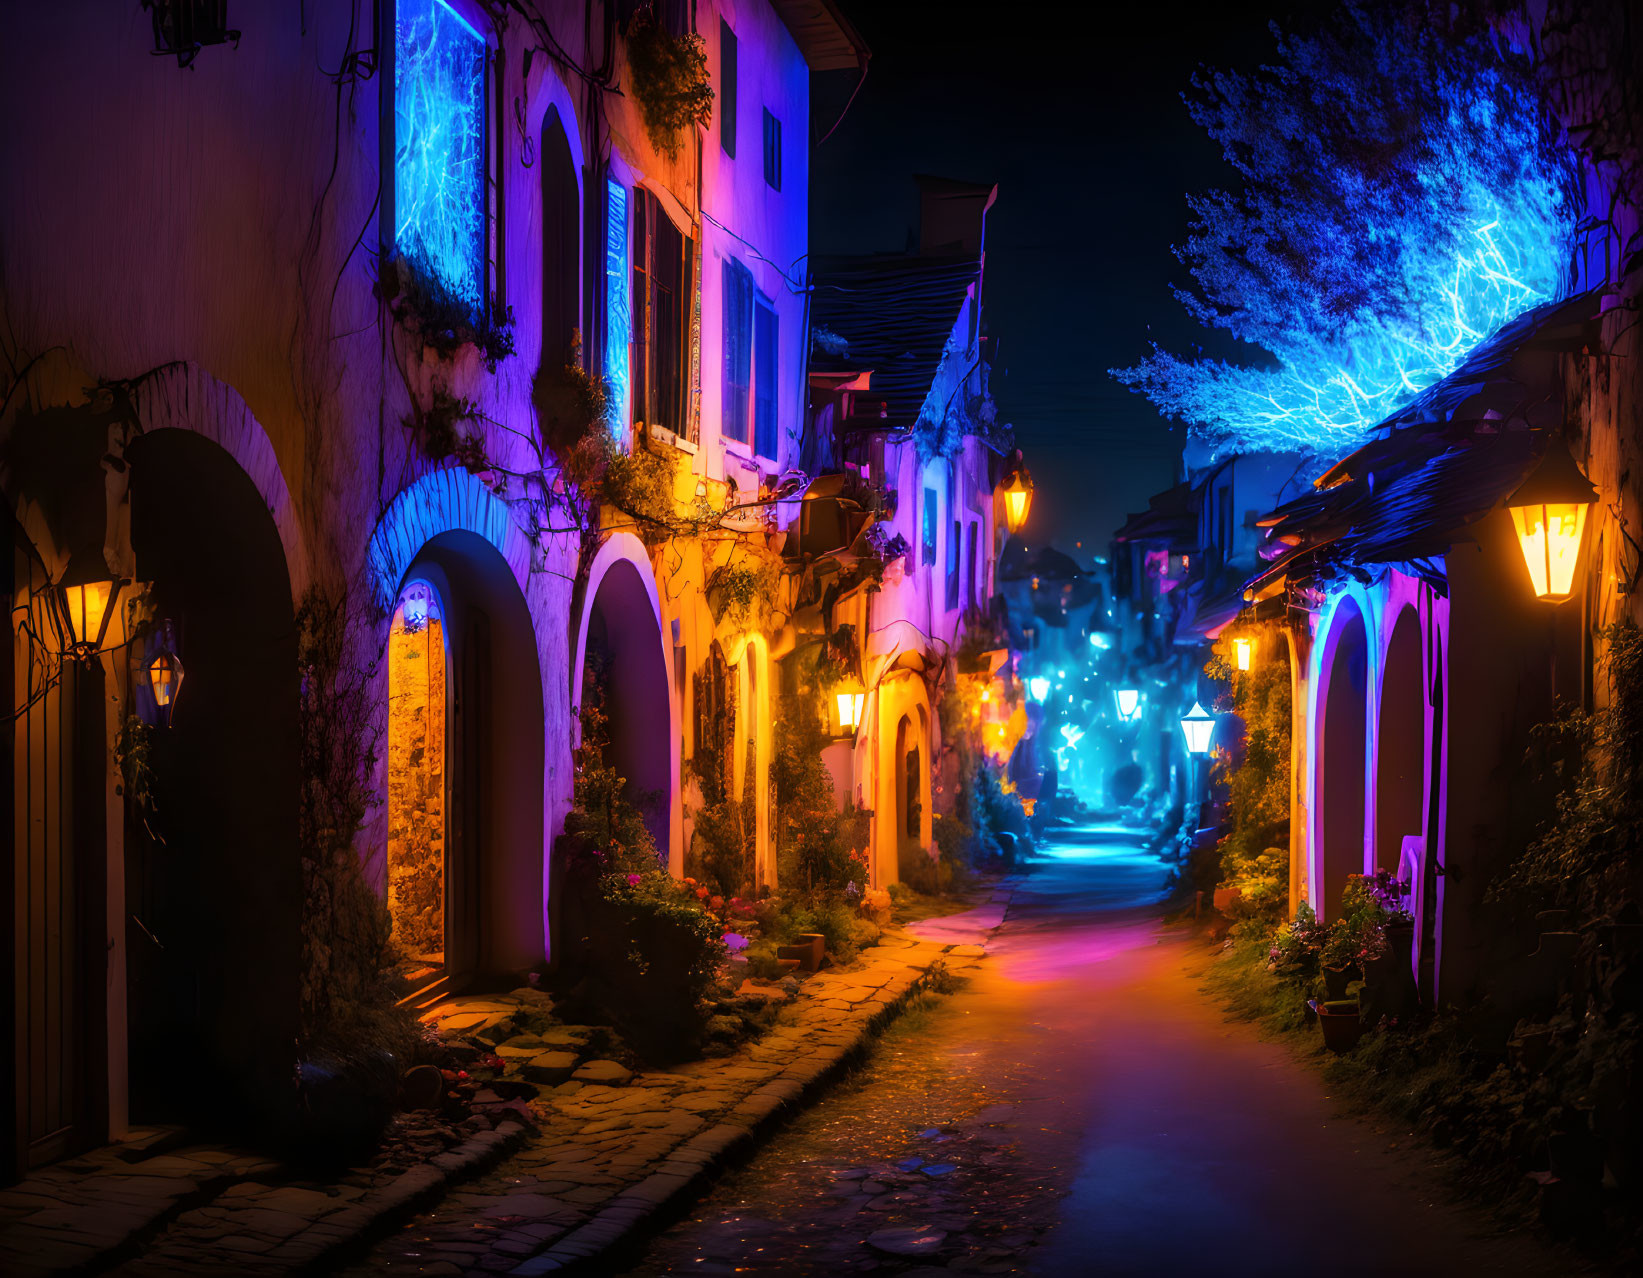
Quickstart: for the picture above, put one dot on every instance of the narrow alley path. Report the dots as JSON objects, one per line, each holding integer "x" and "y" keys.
{"x": 1082, "y": 1108}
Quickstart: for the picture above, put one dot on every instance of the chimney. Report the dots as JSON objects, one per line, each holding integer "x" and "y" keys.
{"x": 952, "y": 216}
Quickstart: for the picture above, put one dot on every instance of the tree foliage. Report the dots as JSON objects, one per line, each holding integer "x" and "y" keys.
{"x": 1402, "y": 191}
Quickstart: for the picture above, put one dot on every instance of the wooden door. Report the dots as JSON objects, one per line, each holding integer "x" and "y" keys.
{"x": 57, "y": 894}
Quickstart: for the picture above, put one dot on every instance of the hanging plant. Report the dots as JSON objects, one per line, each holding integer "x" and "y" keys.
{"x": 669, "y": 78}
{"x": 444, "y": 321}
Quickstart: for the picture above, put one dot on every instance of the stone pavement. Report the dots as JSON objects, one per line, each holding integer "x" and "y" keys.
{"x": 612, "y": 1161}
{"x": 597, "y": 1154}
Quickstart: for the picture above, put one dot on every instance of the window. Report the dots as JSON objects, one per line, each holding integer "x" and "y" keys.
{"x": 618, "y": 318}
{"x": 727, "y": 89}
{"x": 439, "y": 145}
{"x": 738, "y": 353}
{"x": 772, "y": 151}
{"x": 765, "y": 441}
{"x": 970, "y": 568}
{"x": 660, "y": 279}
{"x": 927, "y": 553}
{"x": 955, "y": 552}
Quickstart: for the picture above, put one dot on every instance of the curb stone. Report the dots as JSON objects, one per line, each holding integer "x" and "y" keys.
{"x": 642, "y": 1208}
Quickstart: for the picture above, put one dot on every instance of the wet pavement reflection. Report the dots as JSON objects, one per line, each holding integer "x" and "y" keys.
{"x": 946, "y": 1147}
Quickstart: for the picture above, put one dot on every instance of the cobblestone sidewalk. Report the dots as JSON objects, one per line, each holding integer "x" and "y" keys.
{"x": 527, "y": 1189}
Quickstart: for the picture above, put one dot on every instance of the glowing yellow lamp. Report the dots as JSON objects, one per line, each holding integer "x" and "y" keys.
{"x": 1549, "y": 514}
{"x": 86, "y": 594}
{"x": 1018, "y": 495}
{"x": 165, "y": 673}
{"x": 849, "y": 704}
{"x": 1243, "y": 650}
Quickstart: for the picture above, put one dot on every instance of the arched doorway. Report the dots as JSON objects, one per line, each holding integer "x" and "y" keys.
{"x": 418, "y": 775}
{"x": 1342, "y": 735}
{"x": 561, "y": 241}
{"x": 214, "y": 877}
{"x": 624, "y": 667}
{"x": 1400, "y": 760}
{"x": 464, "y": 784}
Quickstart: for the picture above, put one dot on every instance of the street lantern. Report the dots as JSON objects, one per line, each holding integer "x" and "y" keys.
{"x": 1039, "y": 687}
{"x": 1549, "y": 513}
{"x": 1243, "y": 650}
{"x": 1018, "y": 495}
{"x": 1128, "y": 701}
{"x": 86, "y": 595}
{"x": 849, "y": 706}
{"x": 1198, "y": 726}
{"x": 165, "y": 674}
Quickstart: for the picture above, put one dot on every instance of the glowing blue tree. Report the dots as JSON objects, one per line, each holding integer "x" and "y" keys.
{"x": 1403, "y": 193}
{"x": 439, "y": 145}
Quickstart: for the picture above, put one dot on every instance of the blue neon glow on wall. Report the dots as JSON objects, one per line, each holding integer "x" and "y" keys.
{"x": 439, "y": 144}
{"x": 618, "y": 315}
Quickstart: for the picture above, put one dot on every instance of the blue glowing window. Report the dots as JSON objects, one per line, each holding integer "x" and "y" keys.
{"x": 439, "y": 145}
{"x": 618, "y": 313}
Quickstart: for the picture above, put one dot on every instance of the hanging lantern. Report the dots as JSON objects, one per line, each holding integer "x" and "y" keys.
{"x": 165, "y": 674}
{"x": 1128, "y": 701}
{"x": 1549, "y": 513}
{"x": 86, "y": 595}
{"x": 849, "y": 707}
{"x": 1039, "y": 687}
{"x": 1243, "y": 651}
{"x": 1198, "y": 727}
{"x": 1018, "y": 496}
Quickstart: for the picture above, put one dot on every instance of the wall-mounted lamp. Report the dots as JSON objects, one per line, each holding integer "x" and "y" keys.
{"x": 86, "y": 596}
{"x": 1128, "y": 703}
{"x": 165, "y": 674}
{"x": 1243, "y": 652}
{"x": 1549, "y": 512}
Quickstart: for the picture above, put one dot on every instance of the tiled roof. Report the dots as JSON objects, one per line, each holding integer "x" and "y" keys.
{"x": 1171, "y": 516}
{"x": 896, "y": 313}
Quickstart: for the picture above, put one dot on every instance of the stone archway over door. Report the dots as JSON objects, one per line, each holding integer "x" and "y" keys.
{"x": 1342, "y": 736}
{"x": 215, "y": 913}
{"x": 493, "y": 740}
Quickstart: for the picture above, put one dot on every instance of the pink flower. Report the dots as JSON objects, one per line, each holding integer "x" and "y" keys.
{"x": 734, "y": 942}
{"x": 634, "y": 880}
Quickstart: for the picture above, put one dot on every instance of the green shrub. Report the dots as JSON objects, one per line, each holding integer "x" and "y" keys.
{"x": 1254, "y": 856}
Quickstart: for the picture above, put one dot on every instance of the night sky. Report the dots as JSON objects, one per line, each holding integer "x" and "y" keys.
{"x": 1084, "y": 130}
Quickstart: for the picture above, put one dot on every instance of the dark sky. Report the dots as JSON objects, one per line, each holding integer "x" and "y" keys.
{"x": 1083, "y": 129}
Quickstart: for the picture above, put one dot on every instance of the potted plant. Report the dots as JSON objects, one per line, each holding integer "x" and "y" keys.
{"x": 1341, "y": 1022}
{"x": 1339, "y": 958}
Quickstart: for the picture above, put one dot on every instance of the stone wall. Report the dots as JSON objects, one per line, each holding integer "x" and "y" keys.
{"x": 416, "y": 788}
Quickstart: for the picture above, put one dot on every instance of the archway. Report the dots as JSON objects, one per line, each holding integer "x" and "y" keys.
{"x": 465, "y": 759}
{"x": 1400, "y": 759}
{"x": 1342, "y": 738}
{"x": 561, "y": 241}
{"x": 625, "y": 668}
{"x": 214, "y": 912}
